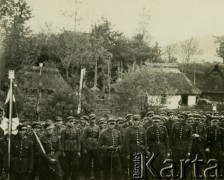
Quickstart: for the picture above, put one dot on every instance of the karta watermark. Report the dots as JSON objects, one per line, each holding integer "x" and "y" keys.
{"x": 199, "y": 168}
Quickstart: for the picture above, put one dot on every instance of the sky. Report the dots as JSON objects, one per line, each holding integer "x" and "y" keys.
{"x": 171, "y": 20}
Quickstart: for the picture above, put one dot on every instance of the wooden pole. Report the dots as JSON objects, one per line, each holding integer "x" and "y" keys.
{"x": 11, "y": 77}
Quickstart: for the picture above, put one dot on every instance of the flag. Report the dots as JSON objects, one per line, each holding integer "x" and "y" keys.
{"x": 15, "y": 120}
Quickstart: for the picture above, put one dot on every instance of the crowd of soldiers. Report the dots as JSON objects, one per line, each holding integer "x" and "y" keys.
{"x": 102, "y": 148}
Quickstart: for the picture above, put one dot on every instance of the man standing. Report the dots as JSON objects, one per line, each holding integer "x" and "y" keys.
{"x": 21, "y": 155}
{"x": 110, "y": 144}
{"x": 169, "y": 124}
{"x": 70, "y": 140}
{"x": 181, "y": 139}
{"x": 50, "y": 167}
{"x": 90, "y": 139}
{"x": 58, "y": 126}
{"x": 215, "y": 140}
{"x": 134, "y": 142}
{"x": 158, "y": 143}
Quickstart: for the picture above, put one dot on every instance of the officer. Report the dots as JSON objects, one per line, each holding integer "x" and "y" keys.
{"x": 36, "y": 126}
{"x": 123, "y": 159}
{"x": 50, "y": 167}
{"x": 128, "y": 120}
{"x": 134, "y": 142}
{"x": 70, "y": 141}
{"x": 102, "y": 124}
{"x": 90, "y": 139}
{"x": 148, "y": 121}
{"x": 158, "y": 143}
{"x": 21, "y": 155}
{"x": 215, "y": 140}
{"x": 169, "y": 124}
{"x": 110, "y": 145}
{"x": 58, "y": 126}
{"x": 181, "y": 139}
{"x": 199, "y": 137}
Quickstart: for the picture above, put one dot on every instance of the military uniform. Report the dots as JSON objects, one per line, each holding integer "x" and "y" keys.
{"x": 109, "y": 144}
{"x": 198, "y": 143}
{"x": 90, "y": 139}
{"x": 215, "y": 142}
{"x": 52, "y": 146}
{"x": 21, "y": 158}
{"x": 158, "y": 142}
{"x": 134, "y": 142}
{"x": 70, "y": 140}
{"x": 181, "y": 140}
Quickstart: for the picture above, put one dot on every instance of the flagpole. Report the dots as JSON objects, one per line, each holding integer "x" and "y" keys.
{"x": 11, "y": 77}
{"x": 83, "y": 71}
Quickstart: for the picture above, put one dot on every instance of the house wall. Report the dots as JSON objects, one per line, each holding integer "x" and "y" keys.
{"x": 191, "y": 100}
{"x": 170, "y": 102}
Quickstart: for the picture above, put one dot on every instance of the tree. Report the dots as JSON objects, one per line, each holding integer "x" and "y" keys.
{"x": 13, "y": 16}
{"x": 131, "y": 91}
{"x": 189, "y": 48}
{"x": 220, "y": 49}
{"x": 170, "y": 51}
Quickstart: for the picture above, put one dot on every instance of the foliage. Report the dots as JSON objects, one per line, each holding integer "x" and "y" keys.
{"x": 130, "y": 93}
{"x": 220, "y": 49}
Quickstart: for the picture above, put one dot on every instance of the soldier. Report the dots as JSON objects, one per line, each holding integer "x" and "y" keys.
{"x": 21, "y": 155}
{"x": 199, "y": 137}
{"x": 58, "y": 126}
{"x": 102, "y": 124}
{"x": 90, "y": 139}
{"x": 70, "y": 141}
{"x": 50, "y": 167}
{"x": 215, "y": 140}
{"x": 149, "y": 116}
{"x": 123, "y": 159}
{"x": 169, "y": 124}
{"x": 134, "y": 142}
{"x": 181, "y": 139}
{"x": 158, "y": 143}
{"x": 36, "y": 127}
{"x": 110, "y": 144}
{"x": 128, "y": 120}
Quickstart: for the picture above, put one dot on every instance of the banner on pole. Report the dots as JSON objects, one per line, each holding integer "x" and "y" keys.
{"x": 15, "y": 120}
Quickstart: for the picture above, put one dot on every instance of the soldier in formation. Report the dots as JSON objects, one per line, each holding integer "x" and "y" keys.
{"x": 103, "y": 148}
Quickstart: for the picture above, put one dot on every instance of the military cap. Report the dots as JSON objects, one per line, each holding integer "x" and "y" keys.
{"x": 49, "y": 121}
{"x": 156, "y": 118}
{"x": 215, "y": 118}
{"x": 85, "y": 118}
{"x": 102, "y": 120}
{"x": 111, "y": 119}
{"x": 92, "y": 116}
{"x": 36, "y": 124}
{"x": 22, "y": 127}
{"x": 170, "y": 112}
{"x": 70, "y": 117}
{"x": 120, "y": 119}
{"x": 150, "y": 113}
{"x": 221, "y": 118}
{"x": 190, "y": 115}
{"x": 136, "y": 117}
{"x": 128, "y": 115}
{"x": 48, "y": 125}
{"x": 197, "y": 116}
{"x": 58, "y": 118}
{"x": 183, "y": 114}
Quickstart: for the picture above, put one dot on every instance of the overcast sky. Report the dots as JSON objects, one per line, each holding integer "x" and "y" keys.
{"x": 171, "y": 20}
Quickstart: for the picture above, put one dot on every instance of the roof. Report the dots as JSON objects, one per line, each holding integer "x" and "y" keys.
{"x": 51, "y": 79}
{"x": 175, "y": 79}
{"x": 209, "y": 78}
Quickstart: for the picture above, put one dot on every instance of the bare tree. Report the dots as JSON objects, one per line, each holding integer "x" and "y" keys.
{"x": 220, "y": 50}
{"x": 189, "y": 48}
